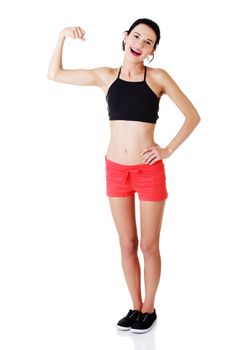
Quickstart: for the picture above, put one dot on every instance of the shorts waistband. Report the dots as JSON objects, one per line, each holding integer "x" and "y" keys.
{"x": 133, "y": 167}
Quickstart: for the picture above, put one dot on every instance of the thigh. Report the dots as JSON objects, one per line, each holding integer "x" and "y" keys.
{"x": 123, "y": 213}
{"x": 151, "y": 183}
{"x": 151, "y": 215}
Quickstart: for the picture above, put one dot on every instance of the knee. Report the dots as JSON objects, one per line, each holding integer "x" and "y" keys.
{"x": 129, "y": 247}
{"x": 149, "y": 247}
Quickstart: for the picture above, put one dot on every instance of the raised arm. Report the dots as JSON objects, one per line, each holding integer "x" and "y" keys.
{"x": 73, "y": 76}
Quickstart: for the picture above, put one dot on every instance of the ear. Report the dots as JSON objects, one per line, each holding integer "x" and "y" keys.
{"x": 153, "y": 51}
{"x": 125, "y": 35}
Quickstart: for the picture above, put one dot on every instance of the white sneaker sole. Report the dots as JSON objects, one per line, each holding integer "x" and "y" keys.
{"x": 134, "y": 330}
{"x": 123, "y": 328}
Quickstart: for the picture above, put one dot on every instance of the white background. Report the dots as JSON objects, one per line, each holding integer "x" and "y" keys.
{"x": 61, "y": 279}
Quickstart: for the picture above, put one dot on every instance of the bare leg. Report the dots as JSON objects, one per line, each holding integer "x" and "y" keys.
{"x": 151, "y": 219}
{"x": 123, "y": 212}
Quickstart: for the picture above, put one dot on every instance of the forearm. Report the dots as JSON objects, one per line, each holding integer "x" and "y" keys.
{"x": 56, "y": 60}
{"x": 186, "y": 129}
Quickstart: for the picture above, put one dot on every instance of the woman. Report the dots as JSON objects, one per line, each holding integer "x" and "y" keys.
{"x": 134, "y": 161}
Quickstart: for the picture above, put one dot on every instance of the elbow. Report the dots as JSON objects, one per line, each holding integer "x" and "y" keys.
{"x": 195, "y": 119}
{"x": 198, "y": 119}
{"x": 51, "y": 76}
{"x": 56, "y": 76}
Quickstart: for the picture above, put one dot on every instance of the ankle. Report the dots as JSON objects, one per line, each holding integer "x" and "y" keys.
{"x": 137, "y": 307}
{"x": 150, "y": 309}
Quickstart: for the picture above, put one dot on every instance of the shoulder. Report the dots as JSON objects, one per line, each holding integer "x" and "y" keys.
{"x": 162, "y": 78}
{"x": 106, "y": 76}
{"x": 105, "y": 72}
{"x": 159, "y": 74}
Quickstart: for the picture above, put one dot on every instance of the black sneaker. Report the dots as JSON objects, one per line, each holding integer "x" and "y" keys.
{"x": 126, "y": 322}
{"x": 144, "y": 322}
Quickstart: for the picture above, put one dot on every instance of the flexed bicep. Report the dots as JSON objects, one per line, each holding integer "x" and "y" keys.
{"x": 56, "y": 71}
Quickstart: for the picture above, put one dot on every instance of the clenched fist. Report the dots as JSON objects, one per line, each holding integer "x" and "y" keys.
{"x": 73, "y": 32}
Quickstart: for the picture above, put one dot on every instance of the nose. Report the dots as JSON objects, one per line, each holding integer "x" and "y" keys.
{"x": 140, "y": 45}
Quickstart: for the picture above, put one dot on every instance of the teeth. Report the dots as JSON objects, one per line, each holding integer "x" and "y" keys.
{"x": 136, "y": 51}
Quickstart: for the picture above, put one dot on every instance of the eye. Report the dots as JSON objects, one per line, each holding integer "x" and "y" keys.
{"x": 136, "y": 36}
{"x": 148, "y": 42}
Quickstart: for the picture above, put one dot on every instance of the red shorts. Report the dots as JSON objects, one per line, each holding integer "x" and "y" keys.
{"x": 149, "y": 181}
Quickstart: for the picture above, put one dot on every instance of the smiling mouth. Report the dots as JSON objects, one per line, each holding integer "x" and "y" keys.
{"x": 135, "y": 52}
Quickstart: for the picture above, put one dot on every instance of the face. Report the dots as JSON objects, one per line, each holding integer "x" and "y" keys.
{"x": 140, "y": 43}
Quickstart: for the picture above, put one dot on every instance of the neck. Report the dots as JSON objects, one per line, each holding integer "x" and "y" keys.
{"x": 130, "y": 69}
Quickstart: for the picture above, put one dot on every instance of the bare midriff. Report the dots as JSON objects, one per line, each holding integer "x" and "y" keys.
{"x": 128, "y": 139}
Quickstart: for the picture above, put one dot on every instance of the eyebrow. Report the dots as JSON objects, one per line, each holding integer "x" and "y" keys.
{"x": 147, "y": 39}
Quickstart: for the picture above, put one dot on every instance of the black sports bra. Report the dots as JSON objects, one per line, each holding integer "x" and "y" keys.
{"x": 132, "y": 100}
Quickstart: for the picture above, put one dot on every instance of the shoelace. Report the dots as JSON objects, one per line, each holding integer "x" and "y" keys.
{"x": 142, "y": 315}
{"x": 131, "y": 313}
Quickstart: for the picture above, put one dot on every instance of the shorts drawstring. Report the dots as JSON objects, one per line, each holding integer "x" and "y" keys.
{"x": 130, "y": 171}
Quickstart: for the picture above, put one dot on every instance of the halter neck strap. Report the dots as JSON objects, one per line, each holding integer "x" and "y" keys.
{"x": 119, "y": 72}
{"x": 145, "y": 73}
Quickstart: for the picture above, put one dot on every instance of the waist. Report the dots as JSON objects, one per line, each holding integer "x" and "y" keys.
{"x": 128, "y": 140}
{"x": 132, "y": 167}
{"x": 127, "y": 153}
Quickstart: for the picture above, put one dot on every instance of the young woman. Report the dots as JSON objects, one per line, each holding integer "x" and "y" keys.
{"x": 134, "y": 161}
